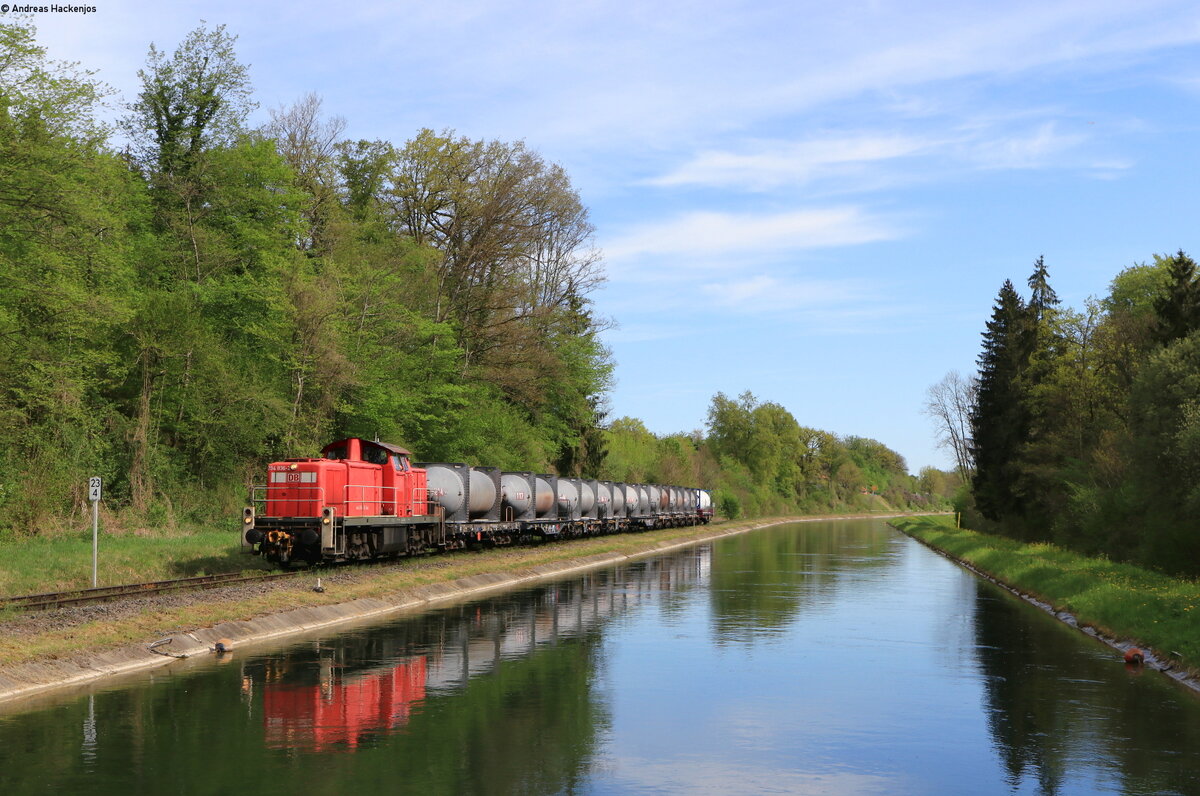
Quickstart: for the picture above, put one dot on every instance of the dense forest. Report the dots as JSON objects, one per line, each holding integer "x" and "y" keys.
{"x": 1083, "y": 426}
{"x": 185, "y": 297}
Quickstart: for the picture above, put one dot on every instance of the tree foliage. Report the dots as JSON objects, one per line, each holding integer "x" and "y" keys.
{"x": 196, "y": 100}
{"x": 215, "y": 297}
{"x": 220, "y": 296}
{"x": 1087, "y": 431}
{"x": 769, "y": 463}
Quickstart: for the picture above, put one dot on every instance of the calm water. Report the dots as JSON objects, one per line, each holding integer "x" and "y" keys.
{"x": 834, "y": 657}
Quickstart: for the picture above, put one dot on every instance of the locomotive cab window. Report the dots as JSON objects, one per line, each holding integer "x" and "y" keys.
{"x": 401, "y": 463}
{"x": 374, "y": 455}
{"x": 336, "y": 453}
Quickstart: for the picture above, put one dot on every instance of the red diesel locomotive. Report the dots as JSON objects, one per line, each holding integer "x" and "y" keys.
{"x": 364, "y": 500}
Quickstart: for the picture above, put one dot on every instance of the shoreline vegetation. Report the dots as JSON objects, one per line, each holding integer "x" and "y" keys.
{"x": 1081, "y": 427}
{"x": 27, "y": 638}
{"x": 1122, "y": 604}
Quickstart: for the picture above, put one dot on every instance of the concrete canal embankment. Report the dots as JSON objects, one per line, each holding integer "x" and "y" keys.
{"x": 1129, "y": 609}
{"x": 55, "y": 673}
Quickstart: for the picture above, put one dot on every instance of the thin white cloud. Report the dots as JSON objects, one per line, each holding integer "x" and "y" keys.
{"x": 864, "y": 161}
{"x": 764, "y": 292}
{"x": 1044, "y": 146}
{"x": 937, "y": 44}
{"x": 803, "y": 62}
{"x": 770, "y": 164}
{"x": 705, "y": 234}
{"x": 598, "y": 77}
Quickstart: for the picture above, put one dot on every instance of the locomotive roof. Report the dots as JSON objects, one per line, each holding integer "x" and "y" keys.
{"x": 387, "y": 446}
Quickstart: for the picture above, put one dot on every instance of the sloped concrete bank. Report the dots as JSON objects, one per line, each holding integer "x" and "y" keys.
{"x": 29, "y": 679}
{"x": 1154, "y": 659}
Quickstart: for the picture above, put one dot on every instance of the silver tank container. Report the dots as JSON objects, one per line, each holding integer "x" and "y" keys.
{"x": 587, "y": 499}
{"x": 603, "y": 499}
{"x": 643, "y": 492}
{"x": 618, "y": 499}
{"x": 517, "y": 493}
{"x": 631, "y": 500}
{"x": 546, "y": 502}
{"x": 483, "y": 493}
{"x": 448, "y": 487}
{"x": 568, "y": 499}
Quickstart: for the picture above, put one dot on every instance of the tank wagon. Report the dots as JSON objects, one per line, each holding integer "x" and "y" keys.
{"x": 361, "y": 500}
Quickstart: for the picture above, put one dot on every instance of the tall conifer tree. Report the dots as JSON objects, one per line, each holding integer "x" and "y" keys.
{"x": 1178, "y": 310}
{"x": 1041, "y": 297}
{"x": 1000, "y": 422}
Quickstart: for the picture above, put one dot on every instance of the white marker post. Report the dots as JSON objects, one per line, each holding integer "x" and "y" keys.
{"x": 95, "y": 483}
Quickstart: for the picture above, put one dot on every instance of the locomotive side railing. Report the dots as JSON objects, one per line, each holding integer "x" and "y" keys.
{"x": 260, "y": 495}
{"x": 418, "y": 502}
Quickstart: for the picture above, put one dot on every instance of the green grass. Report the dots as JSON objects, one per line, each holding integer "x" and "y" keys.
{"x": 1120, "y": 600}
{"x": 58, "y": 563}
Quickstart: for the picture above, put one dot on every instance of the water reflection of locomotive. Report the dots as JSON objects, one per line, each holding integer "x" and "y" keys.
{"x": 365, "y": 499}
{"x": 336, "y": 695}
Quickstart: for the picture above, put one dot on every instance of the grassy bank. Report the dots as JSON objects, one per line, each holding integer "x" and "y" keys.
{"x": 1123, "y": 601}
{"x": 37, "y": 564}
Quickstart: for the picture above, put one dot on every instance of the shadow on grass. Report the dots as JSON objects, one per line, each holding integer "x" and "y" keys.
{"x": 233, "y": 560}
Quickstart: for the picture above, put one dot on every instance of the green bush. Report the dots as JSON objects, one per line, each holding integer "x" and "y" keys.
{"x": 728, "y": 505}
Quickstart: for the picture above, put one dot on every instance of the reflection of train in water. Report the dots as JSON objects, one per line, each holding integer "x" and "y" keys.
{"x": 337, "y": 695}
{"x": 365, "y": 499}
{"x": 337, "y": 712}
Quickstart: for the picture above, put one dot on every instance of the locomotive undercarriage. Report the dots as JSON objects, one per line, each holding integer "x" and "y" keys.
{"x": 284, "y": 540}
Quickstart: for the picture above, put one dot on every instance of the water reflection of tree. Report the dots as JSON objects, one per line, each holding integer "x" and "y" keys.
{"x": 1053, "y": 711}
{"x": 532, "y": 727}
{"x": 761, "y": 580}
{"x": 509, "y": 705}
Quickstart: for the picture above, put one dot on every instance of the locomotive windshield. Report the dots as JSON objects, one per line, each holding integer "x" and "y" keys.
{"x": 336, "y": 453}
{"x": 374, "y": 454}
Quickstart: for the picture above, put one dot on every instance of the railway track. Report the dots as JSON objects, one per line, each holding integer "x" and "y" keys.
{"x": 52, "y": 600}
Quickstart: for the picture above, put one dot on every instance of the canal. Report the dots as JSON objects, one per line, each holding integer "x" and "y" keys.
{"x": 825, "y": 657}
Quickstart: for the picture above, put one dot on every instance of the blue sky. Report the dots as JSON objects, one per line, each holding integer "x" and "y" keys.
{"x": 815, "y": 202}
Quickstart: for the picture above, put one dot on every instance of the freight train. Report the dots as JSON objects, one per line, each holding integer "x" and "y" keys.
{"x": 364, "y": 500}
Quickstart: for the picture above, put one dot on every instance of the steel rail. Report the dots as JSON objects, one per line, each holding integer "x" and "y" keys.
{"x": 50, "y": 600}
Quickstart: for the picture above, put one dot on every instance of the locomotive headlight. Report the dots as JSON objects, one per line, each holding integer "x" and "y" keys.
{"x": 325, "y": 519}
{"x": 294, "y": 466}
